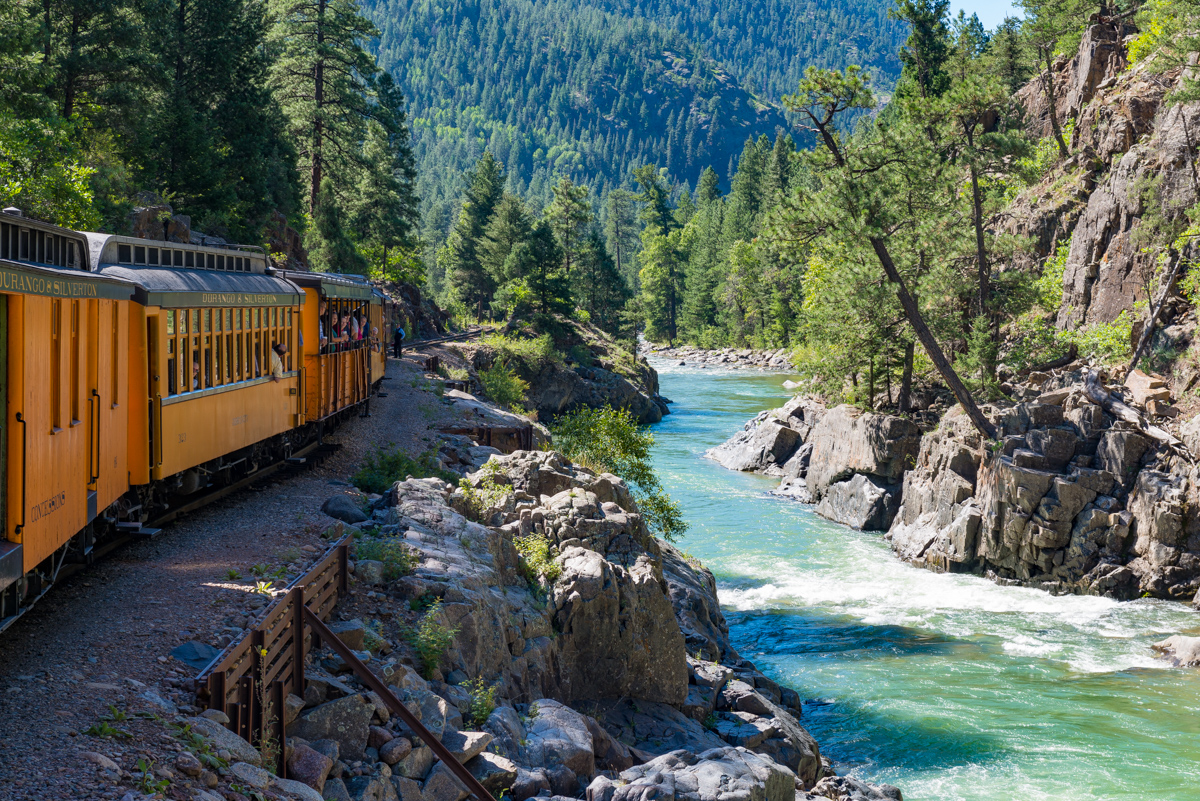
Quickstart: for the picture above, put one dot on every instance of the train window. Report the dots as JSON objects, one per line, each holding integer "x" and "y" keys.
{"x": 237, "y": 365}
{"x": 220, "y": 262}
{"x": 39, "y": 247}
{"x": 172, "y": 389}
{"x": 71, "y": 262}
{"x": 124, "y": 254}
{"x": 229, "y": 358}
{"x": 178, "y": 258}
{"x": 190, "y": 259}
{"x": 170, "y": 321}
{"x": 139, "y": 254}
{"x": 25, "y": 244}
{"x": 238, "y": 318}
{"x": 209, "y": 260}
{"x": 207, "y": 320}
{"x": 55, "y": 364}
{"x": 154, "y": 255}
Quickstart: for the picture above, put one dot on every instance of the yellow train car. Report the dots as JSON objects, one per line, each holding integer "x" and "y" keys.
{"x": 64, "y": 341}
{"x": 343, "y": 361}
{"x": 222, "y": 387}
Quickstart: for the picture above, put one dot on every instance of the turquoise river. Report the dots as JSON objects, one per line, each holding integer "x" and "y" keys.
{"x": 948, "y": 686}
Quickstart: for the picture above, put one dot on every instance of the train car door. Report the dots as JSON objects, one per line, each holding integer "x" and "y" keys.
{"x": 91, "y": 372}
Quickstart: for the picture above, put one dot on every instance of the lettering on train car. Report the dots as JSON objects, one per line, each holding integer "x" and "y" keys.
{"x": 242, "y": 299}
{"x": 237, "y": 421}
{"x": 47, "y": 508}
{"x": 13, "y": 281}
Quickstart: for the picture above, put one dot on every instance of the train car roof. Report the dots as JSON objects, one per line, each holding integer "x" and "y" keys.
{"x": 332, "y": 285}
{"x": 98, "y": 241}
{"x": 59, "y": 282}
{"x": 176, "y": 287}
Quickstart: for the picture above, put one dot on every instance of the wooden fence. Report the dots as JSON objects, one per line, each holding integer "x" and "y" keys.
{"x": 251, "y": 679}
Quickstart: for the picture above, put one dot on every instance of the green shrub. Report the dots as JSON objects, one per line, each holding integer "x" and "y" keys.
{"x": 536, "y": 353}
{"x": 431, "y": 638}
{"x": 537, "y": 558}
{"x": 1049, "y": 286}
{"x": 488, "y": 494}
{"x": 1105, "y": 342}
{"x": 381, "y": 469}
{"x": 609, "y": 440}
{"x": 398, "y": 559}
{"x": 482, "y": 703}
{"x": 503, "y": 386}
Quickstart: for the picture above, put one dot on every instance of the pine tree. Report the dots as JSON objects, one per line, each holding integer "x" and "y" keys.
{"x": 569, "y": 216}
{"x": 620, "y": 232}
{"x": 469, "y": 282}
{"x": 509, "y": 226}
{"x": 379, "y": 214}
{"x": 600, "y": 289}
{"x": 322, "y": 78}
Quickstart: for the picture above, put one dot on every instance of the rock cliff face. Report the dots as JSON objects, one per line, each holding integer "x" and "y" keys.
{"x": 1073, "y": 500}
{"x": 614, "y": 677}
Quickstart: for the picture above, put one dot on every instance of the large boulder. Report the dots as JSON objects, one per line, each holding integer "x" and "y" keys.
{"x": 863, "y": 502}
{"x": 851, "y": 465}
{"x": 346, "y": 720}
{"x": 344, "y": 508}
{"x": 721, "y": 774}
{"x": 766, "y": 441}
{"x": 618, "y": 631}
{"x": 558, "y": 735}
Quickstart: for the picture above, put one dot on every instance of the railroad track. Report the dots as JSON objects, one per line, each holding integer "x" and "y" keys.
{"x": 462, "y": 335}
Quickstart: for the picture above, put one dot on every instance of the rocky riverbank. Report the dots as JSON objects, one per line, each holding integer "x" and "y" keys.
{"x": 1089, "y": 488}
{"x": 605, "y": 651}
{"x": 726, "y": 358}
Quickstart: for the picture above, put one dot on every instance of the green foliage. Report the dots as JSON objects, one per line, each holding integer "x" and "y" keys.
{"x": 536, "y": 352}
{"x": 1106, "y": 342}
{"x": 431, "y": 638}
{"x": 482, "y": 702}
{"x": 978, "y": 365}
{"x": 537, "y": 559}
{"x": 1049, "y": 285}
{"x": 489, "y": 494}
{"x": 381, "y": 469}
{"x": 398, "y": 559}
{"x": 503, "y": 386}
{"x": 609, "y": 440}
{"x": 42, "y": 173}
{"x": 106, "y": 730}
{"x": 587, "y": 90}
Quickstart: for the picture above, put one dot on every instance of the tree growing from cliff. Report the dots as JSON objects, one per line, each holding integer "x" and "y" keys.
{"x": 876, "y": 192}
{"x": 1053, "y": 27}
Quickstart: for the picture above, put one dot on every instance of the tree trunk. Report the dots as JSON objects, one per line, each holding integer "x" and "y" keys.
{"x": 1148, "y": 331}
{"x": 887, "y": 375}
{"x": 1048, "y": 84}
{"x": 871, "y": 385}
{"x": 319, "y": 101}
{"x": 929, "y": 342}
{"x": 904, "y": 402}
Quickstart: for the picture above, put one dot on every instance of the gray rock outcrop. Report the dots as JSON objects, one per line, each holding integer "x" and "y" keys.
{"x": 1073, "y": 500}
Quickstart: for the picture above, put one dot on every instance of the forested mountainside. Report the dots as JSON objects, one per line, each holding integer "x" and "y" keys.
{"x": 591, "y": 90}
{"x": 225, "y": 110}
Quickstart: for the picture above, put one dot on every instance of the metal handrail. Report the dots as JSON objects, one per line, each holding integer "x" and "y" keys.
{"x": 393, "y": 704}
